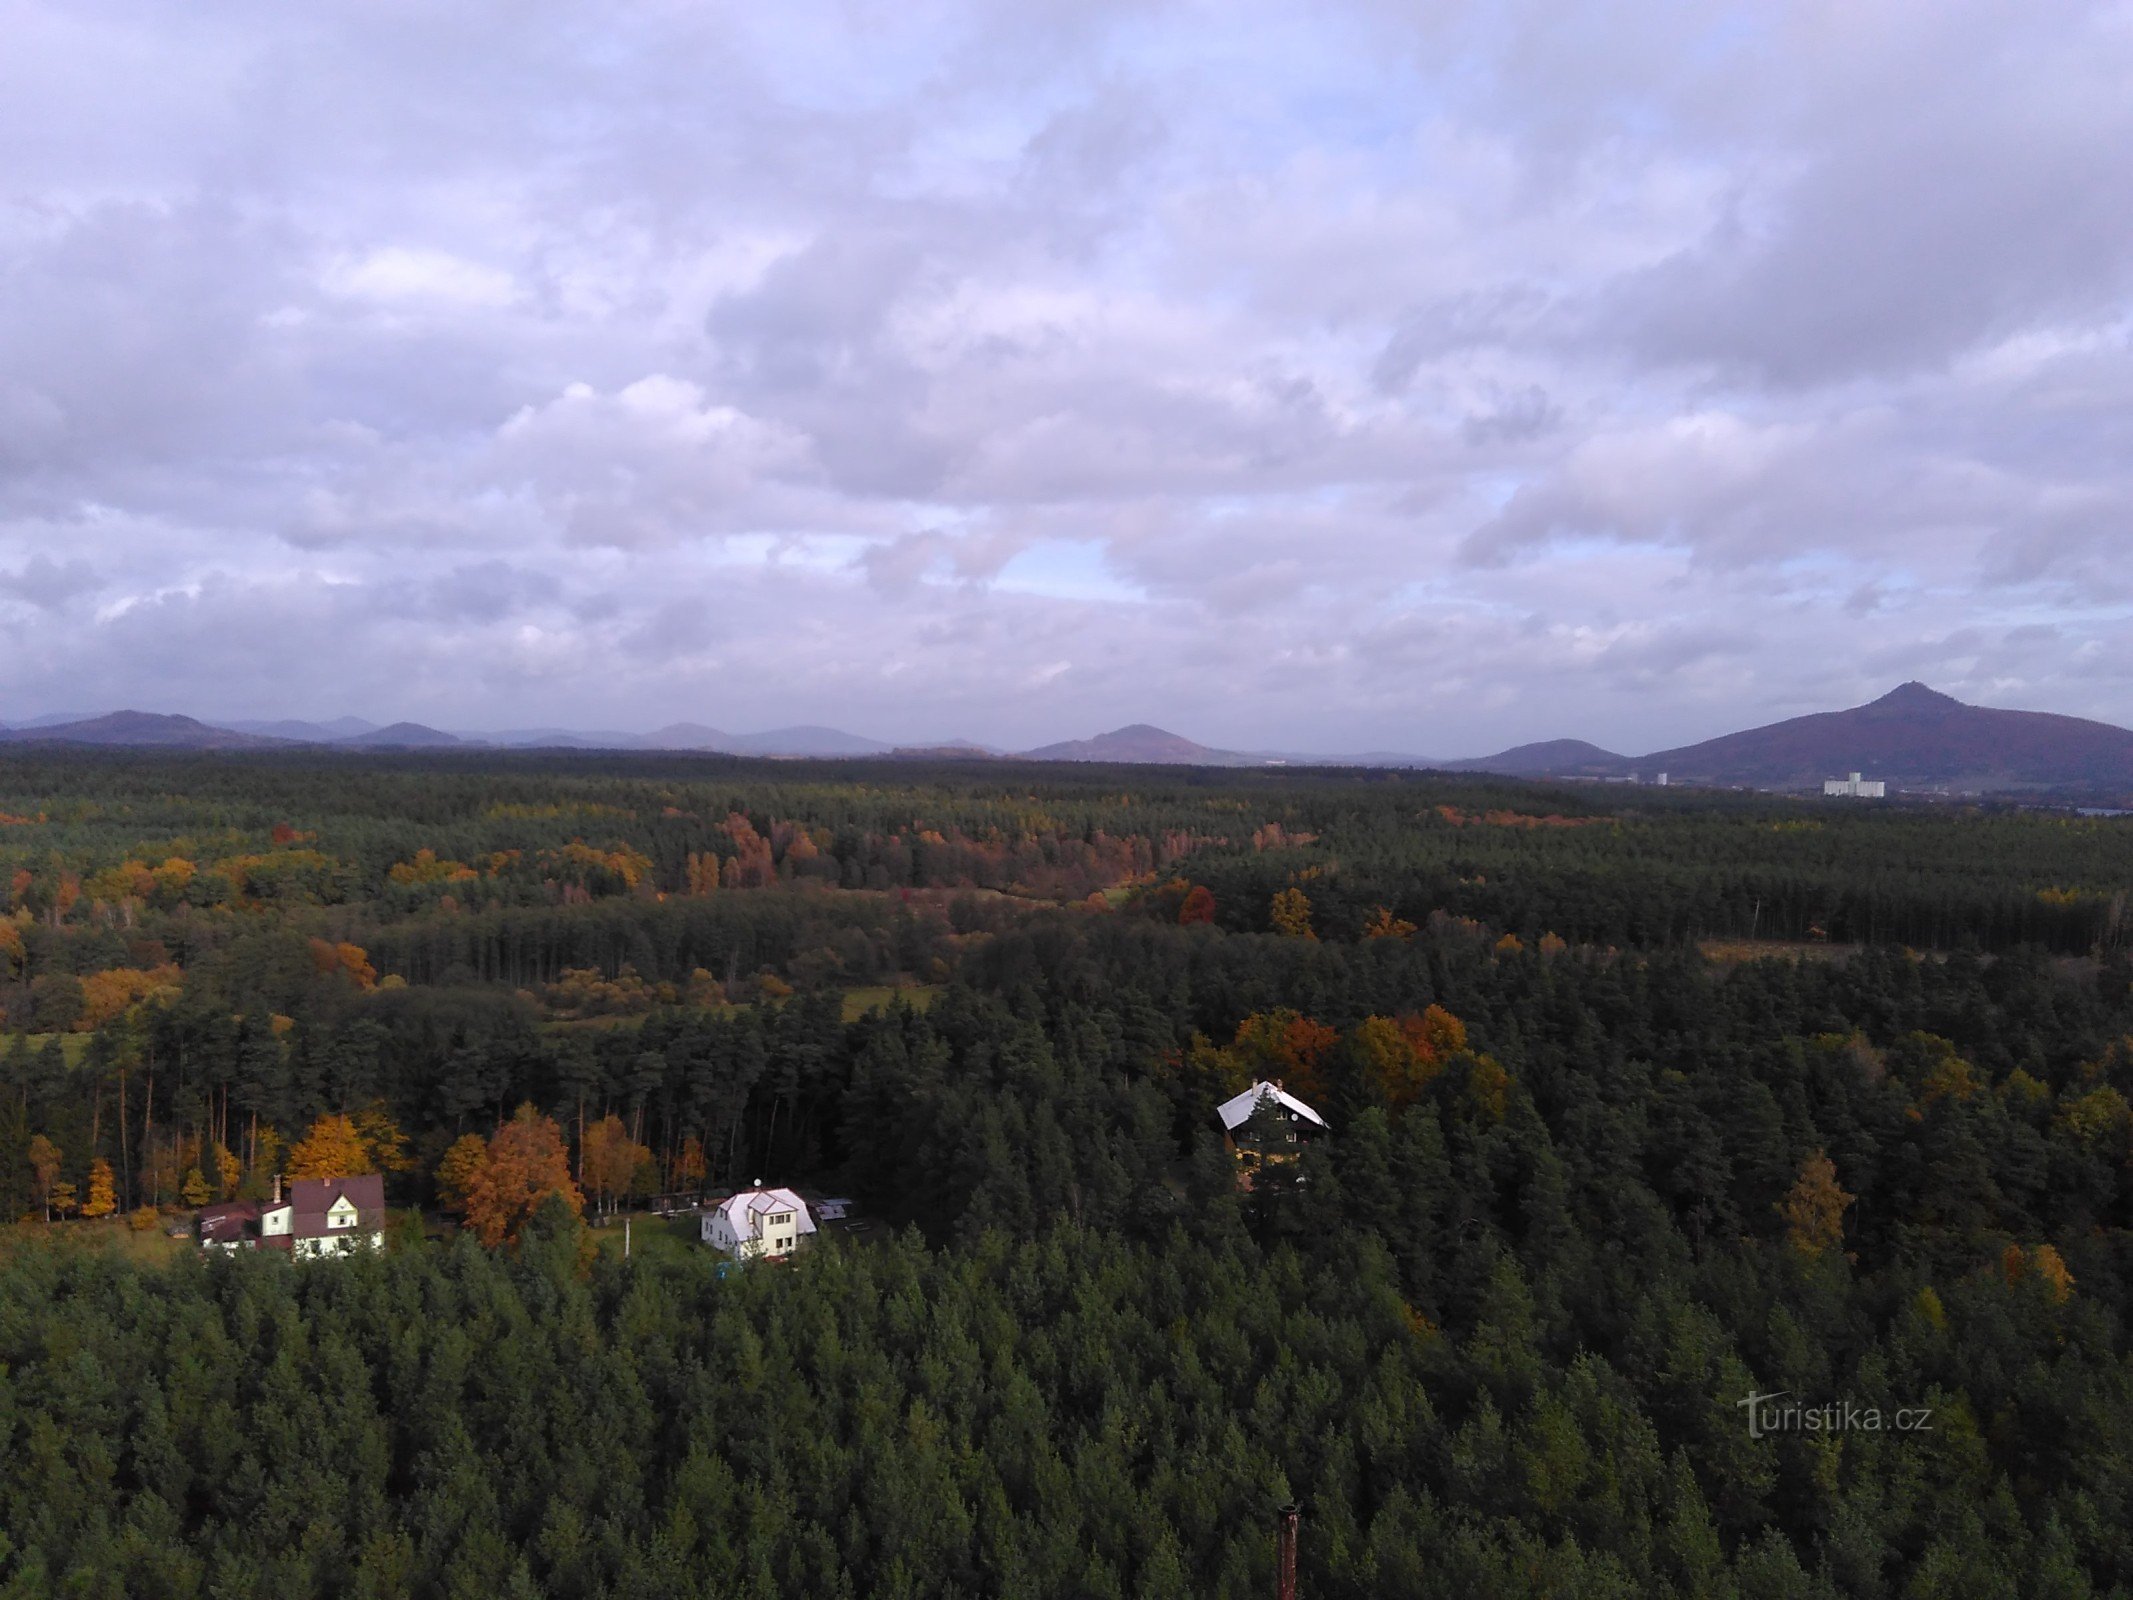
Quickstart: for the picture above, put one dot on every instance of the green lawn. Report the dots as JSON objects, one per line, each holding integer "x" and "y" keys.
{"x": 147, "y": 1246}
{"x": 74, "y": 1045}
{"x": 651, "y": 1237}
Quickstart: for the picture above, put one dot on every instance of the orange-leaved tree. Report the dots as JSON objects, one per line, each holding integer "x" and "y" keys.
{"x": 1382, "y": 924}
{"x": 1287, "y": 1045}
{"x": 1387, "y": 1062}
{"x": 332, "y": 1149}
{"x": 352, "y": 959}
{"x": 611, "y": 1160}
{"x": 528, "y": 1162}
{"x": 690, "y": 1166}
{"x": 1436, "y": 1034}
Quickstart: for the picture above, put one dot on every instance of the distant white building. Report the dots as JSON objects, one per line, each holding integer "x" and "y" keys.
{"x": 758, "y": 1222}
{"x": 1855, "y": 786}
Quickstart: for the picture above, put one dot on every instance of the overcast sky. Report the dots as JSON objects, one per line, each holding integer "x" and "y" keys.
{"x": 1385, "y": 376}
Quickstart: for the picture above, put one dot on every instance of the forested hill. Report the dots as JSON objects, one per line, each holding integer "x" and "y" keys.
{"x": 1640, "y": 1105}
{"x": 1919, "y": 738}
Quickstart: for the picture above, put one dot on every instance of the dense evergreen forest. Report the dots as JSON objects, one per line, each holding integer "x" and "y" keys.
{"x": 1642, "y": 1103}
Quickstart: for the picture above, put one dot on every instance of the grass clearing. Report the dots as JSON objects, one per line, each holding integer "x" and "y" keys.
{"x": 874, "y": 997}
{"x": 651, "y": 1237}
{"x": 108, "y": 1235}
{"x": 1728, "y": 952}
{"x": 74, "y": 1046}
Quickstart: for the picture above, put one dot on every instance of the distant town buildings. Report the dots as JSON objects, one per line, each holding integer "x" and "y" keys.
{"x": 1857, "y": 787}
{"x": 321, "y": 1217}
{"x": 758, "y": 1223}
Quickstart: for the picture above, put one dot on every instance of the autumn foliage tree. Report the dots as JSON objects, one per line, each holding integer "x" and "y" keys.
{"x": 611, "y": 1160}
{"x": 527, "y": 1162}
{"x": 1287, "y": 1046}
{"x": 1198, "y": 906}
{"x": 229, "y": 1171}
{"x": 1382, "y": 924}
{"x": 1290, "y": 914}
{"x": 333, "y": 1148}
{"x": 103, "y": 1191}
{"x": 459, "y": 1169}
{"x": 1814, "y": 1207}
{"x": 44, "y": 1169}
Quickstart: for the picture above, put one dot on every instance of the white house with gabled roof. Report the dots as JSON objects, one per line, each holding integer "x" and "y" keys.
{"x": 1236, "y": 1111}
{"x": 758, "y": 1223}
{"x": 1288, "y": 1123}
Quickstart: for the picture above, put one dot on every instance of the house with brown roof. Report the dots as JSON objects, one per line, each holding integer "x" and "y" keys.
{"x": 320, "y": 1217}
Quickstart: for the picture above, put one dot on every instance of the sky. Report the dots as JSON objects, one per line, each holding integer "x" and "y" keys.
{"x": 1332, "y": 377}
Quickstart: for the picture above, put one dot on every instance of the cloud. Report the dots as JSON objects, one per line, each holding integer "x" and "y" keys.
{"x": 1353, "y": 376}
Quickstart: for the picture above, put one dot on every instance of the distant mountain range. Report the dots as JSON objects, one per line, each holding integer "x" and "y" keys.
{"x": 1140, "y": 744}
{"x": 1913, "y": 737}
{"x": 143, "y": 729}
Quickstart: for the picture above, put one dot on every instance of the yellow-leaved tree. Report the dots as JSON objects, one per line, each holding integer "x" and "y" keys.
{"x": 1814, "y": 1207}
{"x": 103, "y": 1193}
{"x": 382, "y": 1139}
{"x": 456, "y": 1173}
{"x": 1290, "y": 914}
{"x": 229, "y": 1172}
{"x": 333, "y": 1148}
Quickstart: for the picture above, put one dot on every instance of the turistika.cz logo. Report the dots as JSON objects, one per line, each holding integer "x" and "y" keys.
{"x": 1768, "y": 1414}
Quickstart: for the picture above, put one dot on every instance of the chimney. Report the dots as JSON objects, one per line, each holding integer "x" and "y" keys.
{"x": 277, "y": 1188}
{"x": 1285, "y": 1558}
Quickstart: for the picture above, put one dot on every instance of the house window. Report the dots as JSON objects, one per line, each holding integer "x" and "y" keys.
{"x": 781, "y": 1219}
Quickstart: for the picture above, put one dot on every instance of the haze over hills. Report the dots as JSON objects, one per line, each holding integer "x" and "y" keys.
{"x": 404, "y": 736}
{"x": 143, "y": 730}
{"x": 1913, "y": 737}
{"x": 302, "y": 732}
{"x": 1140, "y": 743}
{"x": 1552, "y": 758}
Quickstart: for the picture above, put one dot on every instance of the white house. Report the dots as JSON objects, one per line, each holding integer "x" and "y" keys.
{"x": 758, "y": 1222}
{"x": 1236, "y": 1111}
{"x": 1255, "y": 1148}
